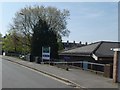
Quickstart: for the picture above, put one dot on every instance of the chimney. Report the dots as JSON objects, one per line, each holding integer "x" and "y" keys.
{"x": 67, "y": 42}
{"x": 80, "y": 42}
{"x": 74, "y": 42}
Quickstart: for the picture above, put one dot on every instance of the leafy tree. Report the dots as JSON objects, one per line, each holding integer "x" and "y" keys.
{"x": 0, "y": 43}
{"x": 8, "y": 44}
{"x": 26, "y": 19}
{"x": 12, "y": 43}
{"x": 60, "y": 45}
{"x": 0, "y": 37}
{"x": 43, "y": 37}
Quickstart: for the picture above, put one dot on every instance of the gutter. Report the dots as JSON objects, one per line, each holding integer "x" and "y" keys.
{"x": 72, "y": 54}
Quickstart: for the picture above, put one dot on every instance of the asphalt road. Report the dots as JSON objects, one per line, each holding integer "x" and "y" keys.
{"x": 16, "y": 76}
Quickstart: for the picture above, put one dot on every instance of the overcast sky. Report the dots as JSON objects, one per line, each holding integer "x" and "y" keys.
{"x": 89, "y": 21}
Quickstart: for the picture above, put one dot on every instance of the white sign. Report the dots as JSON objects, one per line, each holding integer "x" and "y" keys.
{"x": 45, "y": 53}
{"x": 3, "y": 53}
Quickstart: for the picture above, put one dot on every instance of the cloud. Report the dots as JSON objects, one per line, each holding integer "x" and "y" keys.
{"x": 92, "y": 13}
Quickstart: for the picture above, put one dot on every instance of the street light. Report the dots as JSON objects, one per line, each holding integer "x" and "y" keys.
{"x": 23, "y": 26}
{"x": 23, "y": 15}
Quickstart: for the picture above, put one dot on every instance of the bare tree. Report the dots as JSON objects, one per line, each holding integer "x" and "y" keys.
{"x": 26, "y": 19}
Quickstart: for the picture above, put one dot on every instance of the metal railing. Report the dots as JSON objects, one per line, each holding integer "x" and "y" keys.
{"x": 85, "y": 65}
{"x": 80, "y": 64}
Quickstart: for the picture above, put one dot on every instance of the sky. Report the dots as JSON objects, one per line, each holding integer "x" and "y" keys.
{"x": 89, "y": 21}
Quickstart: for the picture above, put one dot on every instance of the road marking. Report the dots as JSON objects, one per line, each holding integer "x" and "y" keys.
{"x": 69, "y": 83}
{"x": 46, "y": 75}
{"x": 54, "y": 78}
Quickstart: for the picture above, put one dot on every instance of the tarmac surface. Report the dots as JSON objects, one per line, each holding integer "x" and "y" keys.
{"x": 16, "y": 76}
{"x": 84, "y": 79}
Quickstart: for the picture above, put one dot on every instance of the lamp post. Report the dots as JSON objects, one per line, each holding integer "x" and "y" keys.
{"x": 23, "y": 15}
{"x": 25, "y": 24}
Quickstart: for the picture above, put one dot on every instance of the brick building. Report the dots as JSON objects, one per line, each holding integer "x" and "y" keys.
{"x": 99, "y": 52}
{"x": 68, "y": 45}
{"x": 97, "y": 56}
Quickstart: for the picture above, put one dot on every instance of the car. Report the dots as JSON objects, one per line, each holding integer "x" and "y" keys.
{"x": 22, "y": 56}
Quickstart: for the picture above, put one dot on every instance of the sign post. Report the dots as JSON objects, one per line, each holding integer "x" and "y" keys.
{"x": 45, "y": 53}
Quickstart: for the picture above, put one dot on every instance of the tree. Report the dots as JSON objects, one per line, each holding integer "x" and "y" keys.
{"x": 1, "y": 43}
{"x": 26, "y": 19}
{"x": 0, "y": 37}
{"x": 8, "y": 43}
{"x": 12, "y": 43}
{"x": 43, "y": 37}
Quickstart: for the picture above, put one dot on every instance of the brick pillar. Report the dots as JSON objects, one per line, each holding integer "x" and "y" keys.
{"x": 107, "y": 70}
{"x": 91, "y": 66}
{"x": 115, "y": 67}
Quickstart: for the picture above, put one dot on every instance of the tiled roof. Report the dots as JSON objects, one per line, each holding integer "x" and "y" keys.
{"x": 85, "y": 49}
{"x": 100, "y": 49}
{"x": 105, "y": 49}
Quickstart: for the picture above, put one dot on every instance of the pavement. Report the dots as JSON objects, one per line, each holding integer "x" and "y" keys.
{"x": 78, "y": 77}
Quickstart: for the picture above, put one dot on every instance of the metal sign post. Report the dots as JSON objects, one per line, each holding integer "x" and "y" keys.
{"x": 45, "y": 53}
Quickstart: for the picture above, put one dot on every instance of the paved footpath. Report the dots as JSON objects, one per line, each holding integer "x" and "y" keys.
{"x": 83, "y": 78}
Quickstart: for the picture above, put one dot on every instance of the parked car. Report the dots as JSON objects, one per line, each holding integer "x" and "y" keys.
{"x": 22, "y": 56}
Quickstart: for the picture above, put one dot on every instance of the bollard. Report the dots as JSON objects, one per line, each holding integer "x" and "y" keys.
{"x": 67, "y": 69}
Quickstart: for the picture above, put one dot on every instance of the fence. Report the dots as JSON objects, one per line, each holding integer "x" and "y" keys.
{"x": 83, "y": 65}
{"x": 102, "y": 69}
{"x": 12, "y": 54}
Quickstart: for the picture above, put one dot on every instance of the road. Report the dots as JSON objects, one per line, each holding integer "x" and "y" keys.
{"x": 16, "y": 76}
